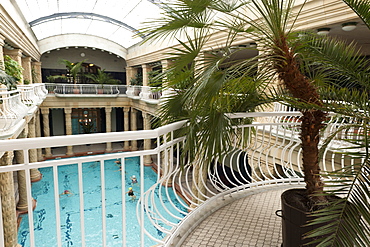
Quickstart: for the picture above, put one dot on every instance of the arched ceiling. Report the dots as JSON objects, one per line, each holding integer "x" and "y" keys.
{"x": 115, "y": 20}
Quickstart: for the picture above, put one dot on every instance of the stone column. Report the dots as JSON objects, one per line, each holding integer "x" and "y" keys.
{"x": 36, "y": 72}
{"x": 46, "y": 126}
{"x": 166, "y": 64}
{"x": 126, "y": 122}
{"x": 146, "y": 70}
{"x": 108, "y": 123}
{"x": 133, "y": 127}
{"x": 130, "y": 73}
{"x": 35, "y": 173}
{"x": 147, "y": 142}
{"x": 68, "y": 122}
{"x": 2, "y": 43}
{"x": 38, "y": 134}
{"x": 16, "y": 55}
{"x": 22, "y": 205}
{"x": 8, "y": 202}
{"x": 27, "y": 71}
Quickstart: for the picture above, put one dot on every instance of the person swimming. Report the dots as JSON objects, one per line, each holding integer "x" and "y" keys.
{"x": 134, "y": 179}
{"x": 66, "y": 192}
{"x": 131, "y": 194}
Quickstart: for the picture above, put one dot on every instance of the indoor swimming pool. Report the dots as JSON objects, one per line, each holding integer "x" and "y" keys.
{"x": 44, "y": 213}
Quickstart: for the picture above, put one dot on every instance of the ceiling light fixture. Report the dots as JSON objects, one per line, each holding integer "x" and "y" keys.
{"x": 83, "y": 54}
{"x": 349, "y": 26}
{"x": 323, "y": 31}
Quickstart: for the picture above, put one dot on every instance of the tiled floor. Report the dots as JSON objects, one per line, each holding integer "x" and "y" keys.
{"x": 250, "y": 221}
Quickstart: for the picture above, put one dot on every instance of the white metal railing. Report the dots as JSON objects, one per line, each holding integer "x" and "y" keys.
{"x": 263, "y": 153}
{"x": 146, "y": 93}
{"x": 80, "y": 89}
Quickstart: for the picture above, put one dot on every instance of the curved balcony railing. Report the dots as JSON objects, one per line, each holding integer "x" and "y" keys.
{"x": 12, "y": 109}
{"x": 264, "y": 152}
{"x": 149, "y": 94}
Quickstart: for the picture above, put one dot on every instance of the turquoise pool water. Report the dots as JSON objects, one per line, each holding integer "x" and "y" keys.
{"x": 44, "y": 214}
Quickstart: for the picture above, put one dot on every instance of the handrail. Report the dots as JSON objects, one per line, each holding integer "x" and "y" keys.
{"x": 264, "y": 153}
{"x": 146, "y": 93}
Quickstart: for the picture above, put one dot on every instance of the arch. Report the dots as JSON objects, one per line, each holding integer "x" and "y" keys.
{"x": 81, "y": 40}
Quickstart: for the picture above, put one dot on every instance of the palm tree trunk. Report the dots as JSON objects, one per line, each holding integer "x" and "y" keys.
{"x": 311, "y": 121}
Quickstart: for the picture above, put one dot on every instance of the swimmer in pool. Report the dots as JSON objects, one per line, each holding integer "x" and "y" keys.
{"x": 66, "y": 192}
{"x": 133, "y": 180}
{"x": 130, "y": 193}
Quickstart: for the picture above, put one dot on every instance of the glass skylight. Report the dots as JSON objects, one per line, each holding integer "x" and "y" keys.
{"x": 116, "y": 20}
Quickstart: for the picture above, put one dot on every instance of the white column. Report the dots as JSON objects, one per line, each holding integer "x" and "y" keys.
{"x": 8, "y": 202}
{"x": 126, "y": 122}
{"x": 35, "y": 173}
{"x": 133, "y": 127}
{"x": 22, "y": 205}
{"x": 108, "y": 123}
{"x": 130, "y": 73}
{"x": 45, "y": 123}
{"x": 27, "y": 71}
{"x": 36, "y": 67}
{"x": 68, "y": 122}
{"x": 147, "y": 142}
{"x": 146, "y": 70}
{"x": 2, "y": 43}
{"x": 16, "y": 55}
{"x": 38, "y": 134}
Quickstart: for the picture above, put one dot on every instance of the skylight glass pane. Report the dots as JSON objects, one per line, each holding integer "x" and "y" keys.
{"x": 124, "y": 37}
{"x": 102, "y": 29}
{"x": 48, "y": 29}
{"x": 75, "y": 25}
{"x": 128, "y": 12}
{"x": 143, "y": 11}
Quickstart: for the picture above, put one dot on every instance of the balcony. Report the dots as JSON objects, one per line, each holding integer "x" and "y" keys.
{"x": 17, "y": 104}
{"x": 148, "y": 94}
{"x": 265, "y": 153}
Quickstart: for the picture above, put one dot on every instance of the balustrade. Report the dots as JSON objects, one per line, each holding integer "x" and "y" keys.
{"x": 263, "y": 152}
{"x": 12, "y": 109}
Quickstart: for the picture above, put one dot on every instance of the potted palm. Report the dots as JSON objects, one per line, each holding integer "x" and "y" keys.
{"x": 102, "y": 78}
{"x": 74, "y": 70}
{"x": 242, "y": 85}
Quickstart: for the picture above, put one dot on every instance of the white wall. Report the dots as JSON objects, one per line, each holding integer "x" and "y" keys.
{"x": 109, "y": 62}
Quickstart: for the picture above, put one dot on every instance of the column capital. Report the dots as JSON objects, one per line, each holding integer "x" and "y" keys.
{"x": 45, "y": 111}
{"x": 36, "y": 63}
{"x": 108, "y": 109}
{"x": 126, "y": 109}
{"x": 146, "y": 115}
{"x": 15, "y": 52}
{"x": 26, "y": 59}
{"x": 133, "y": 110}
{"x": 68, "y": 110}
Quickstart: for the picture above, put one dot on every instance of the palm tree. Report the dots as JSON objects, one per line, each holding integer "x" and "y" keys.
{"x": 102, "y": 77}
{"x": 232, "y": 86}
{"x": 73, "y": 68}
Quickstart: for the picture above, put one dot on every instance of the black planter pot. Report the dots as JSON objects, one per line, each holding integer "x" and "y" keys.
{"x": 294, "y": 220}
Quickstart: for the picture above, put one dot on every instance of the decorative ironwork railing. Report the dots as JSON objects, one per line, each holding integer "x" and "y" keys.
{"x": 266, "y": 151}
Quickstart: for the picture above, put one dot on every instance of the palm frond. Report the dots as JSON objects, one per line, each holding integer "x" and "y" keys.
{"x": 361, "y": 8}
